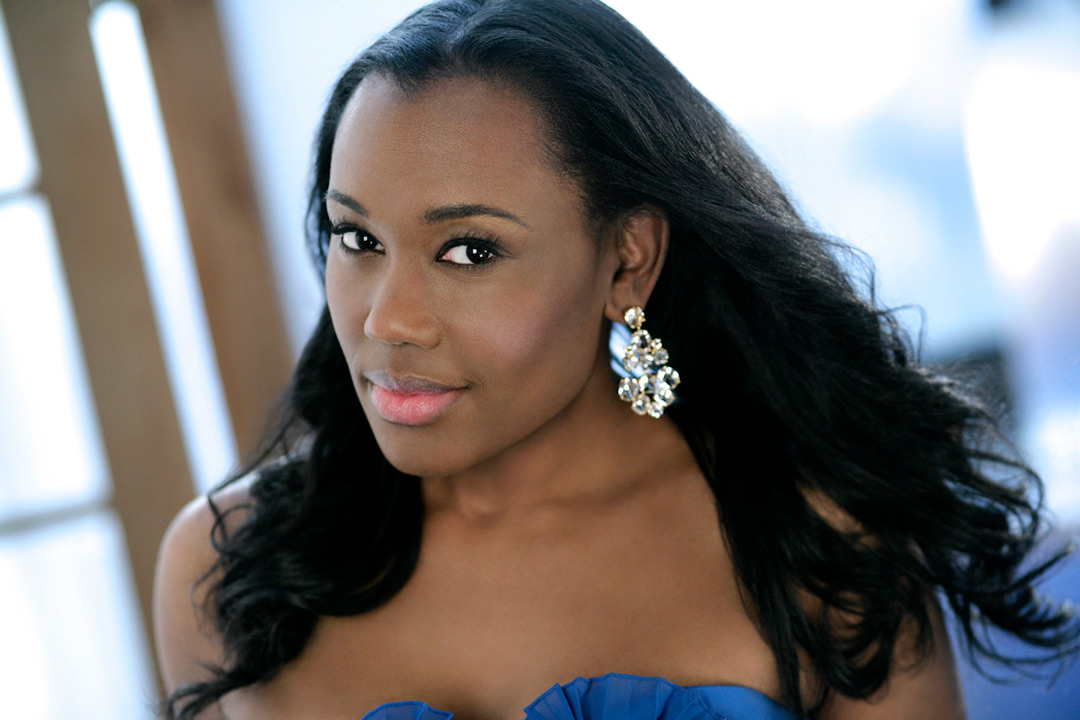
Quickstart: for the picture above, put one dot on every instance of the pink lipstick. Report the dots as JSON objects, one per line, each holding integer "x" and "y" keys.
{"x": 409, "y": 400}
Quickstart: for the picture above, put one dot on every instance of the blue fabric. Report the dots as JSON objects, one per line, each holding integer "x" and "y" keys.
{"x": 623, "y": 697}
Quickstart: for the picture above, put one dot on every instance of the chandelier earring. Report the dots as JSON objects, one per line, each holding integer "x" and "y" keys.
{"x": 649, "y": 390}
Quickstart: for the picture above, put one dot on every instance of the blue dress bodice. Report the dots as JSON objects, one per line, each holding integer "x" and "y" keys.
{"x": 623, "y": 697}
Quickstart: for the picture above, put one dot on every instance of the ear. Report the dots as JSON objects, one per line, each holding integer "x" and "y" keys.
{"x": 641, "y": 242}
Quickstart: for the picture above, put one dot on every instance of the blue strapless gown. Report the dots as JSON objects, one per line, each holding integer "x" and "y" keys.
{"x": 623, "y": 697}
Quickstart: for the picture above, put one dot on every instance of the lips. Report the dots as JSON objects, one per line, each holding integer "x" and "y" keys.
{"x": 409, "y": 400}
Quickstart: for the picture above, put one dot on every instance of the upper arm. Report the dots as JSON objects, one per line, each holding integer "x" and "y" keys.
{"x": 926, "y": 689}
{"x": 187, "y": 641}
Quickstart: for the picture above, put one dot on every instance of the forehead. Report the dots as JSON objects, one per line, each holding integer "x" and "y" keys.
{"x": 454, "y": 113}
{"x": 454, "y": 140}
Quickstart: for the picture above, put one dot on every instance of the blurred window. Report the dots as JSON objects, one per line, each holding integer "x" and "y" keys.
{"x": 73, "y": 642}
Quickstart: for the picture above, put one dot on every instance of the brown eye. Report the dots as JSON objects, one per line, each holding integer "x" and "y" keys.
{"x": 471, "y": 253}
{"x": 355, "y": 240}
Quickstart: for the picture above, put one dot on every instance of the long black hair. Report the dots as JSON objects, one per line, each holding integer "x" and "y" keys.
{"x": 799, "y": 391}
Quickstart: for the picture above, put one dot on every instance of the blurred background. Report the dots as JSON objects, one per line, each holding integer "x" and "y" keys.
{"x": 154, "y": 290}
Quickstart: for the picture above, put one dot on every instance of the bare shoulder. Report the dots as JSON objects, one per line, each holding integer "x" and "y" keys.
{"x": 186, "y": 639}
{"x": 924, "y": 688}
{"x": 920, "y": 687}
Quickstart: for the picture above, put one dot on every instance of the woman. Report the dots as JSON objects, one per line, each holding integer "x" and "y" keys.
{"x": 461, "y": 509}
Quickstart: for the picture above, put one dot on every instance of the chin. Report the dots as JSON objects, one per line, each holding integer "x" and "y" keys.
{"x": 419, "y": 458}
{"x": 422, "y": 467}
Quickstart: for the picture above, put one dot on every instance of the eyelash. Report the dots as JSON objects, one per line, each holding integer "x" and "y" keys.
{"x": 471, "y": 238}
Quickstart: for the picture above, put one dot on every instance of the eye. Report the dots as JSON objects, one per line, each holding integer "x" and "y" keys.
{"x": 471, "y": 253}
{"x": 354, "y": 239}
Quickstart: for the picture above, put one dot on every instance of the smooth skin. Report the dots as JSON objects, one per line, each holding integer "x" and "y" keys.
{"x": 564, "y": 535}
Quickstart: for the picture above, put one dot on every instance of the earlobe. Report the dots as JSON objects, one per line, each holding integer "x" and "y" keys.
{"x": 641, "y": 241}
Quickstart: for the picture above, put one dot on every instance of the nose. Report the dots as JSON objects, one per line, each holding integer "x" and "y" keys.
{"x": 401, "y": 311}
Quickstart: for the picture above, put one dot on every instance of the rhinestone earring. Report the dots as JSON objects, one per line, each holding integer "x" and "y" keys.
{"x": 649, "y": 390}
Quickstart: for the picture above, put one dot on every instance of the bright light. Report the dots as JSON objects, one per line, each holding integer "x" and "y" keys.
{"x": 163, "y": 241}
{"x": 73, "y": 645}
{"x": 1024, "y": 151}
{"x": 832, "y": 61}
{"x": 50, "y": 445}
{"x": 1055, "y": 440}
{"x": 17, "y": 163}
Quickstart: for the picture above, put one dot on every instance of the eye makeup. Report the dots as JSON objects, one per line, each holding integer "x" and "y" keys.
{"x": 480, "y": 249}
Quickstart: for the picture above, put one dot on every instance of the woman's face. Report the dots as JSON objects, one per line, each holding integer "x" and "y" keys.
{"x": 464, "y": 284}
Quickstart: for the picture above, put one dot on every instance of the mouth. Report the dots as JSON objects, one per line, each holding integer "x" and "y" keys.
{"x": 409, "y": 400}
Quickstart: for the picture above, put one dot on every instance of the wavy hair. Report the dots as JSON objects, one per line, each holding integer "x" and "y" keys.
{"x": 797, "y": 388}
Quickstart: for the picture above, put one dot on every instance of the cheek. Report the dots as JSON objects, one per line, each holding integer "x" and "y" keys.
{"x": 332, "y": 283}
{"x": 343, "y": 307}
{"x": 340, "y": 294}
{"x": 541, "y": 341}
{"x": 518, "y": 337}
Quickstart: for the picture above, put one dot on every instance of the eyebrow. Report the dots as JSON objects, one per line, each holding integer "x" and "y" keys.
{"x": 436, "y": 215}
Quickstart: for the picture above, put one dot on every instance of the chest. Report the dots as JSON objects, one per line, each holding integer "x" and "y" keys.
{"x": 483, "y": 629}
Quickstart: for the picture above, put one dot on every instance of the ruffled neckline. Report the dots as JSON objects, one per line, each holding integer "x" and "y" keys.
{"x": 618, "y": 696}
